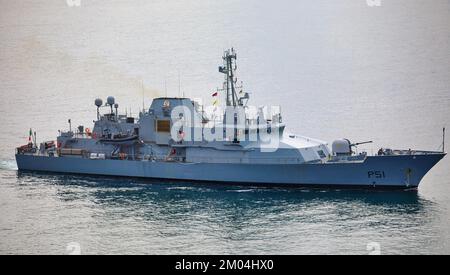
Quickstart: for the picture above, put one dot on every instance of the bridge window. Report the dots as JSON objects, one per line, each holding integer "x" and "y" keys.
{"x": 321, "y": 154}
{"x": 163, "y": 126}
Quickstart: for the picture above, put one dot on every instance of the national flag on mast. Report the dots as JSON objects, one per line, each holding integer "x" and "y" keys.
{"x": 215, "y": 102}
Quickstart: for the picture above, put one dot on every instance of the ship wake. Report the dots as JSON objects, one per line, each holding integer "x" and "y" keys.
{"x": 8, "y": 164}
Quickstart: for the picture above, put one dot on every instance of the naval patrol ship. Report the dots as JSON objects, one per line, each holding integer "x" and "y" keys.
{"x": 179, "y": 139}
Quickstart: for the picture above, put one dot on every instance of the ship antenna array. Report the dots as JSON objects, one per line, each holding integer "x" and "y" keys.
{"x": 443, "y": 140}
{"x": 228, "y": 68}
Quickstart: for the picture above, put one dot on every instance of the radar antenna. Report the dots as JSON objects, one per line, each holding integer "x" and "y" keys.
{"x": 229, "y": 67}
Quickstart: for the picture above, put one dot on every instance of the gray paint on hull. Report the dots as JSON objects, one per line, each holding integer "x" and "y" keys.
{"x": 340, "y": 174}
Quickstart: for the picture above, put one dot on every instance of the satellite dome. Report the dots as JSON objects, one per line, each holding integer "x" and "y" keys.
{"x": 98, "y": 102}
{"x": 110, "y": 100}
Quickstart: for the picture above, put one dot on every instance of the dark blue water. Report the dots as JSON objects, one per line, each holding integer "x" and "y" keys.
{"x": 339, "y": 69}
{"x": 106, "y": 215}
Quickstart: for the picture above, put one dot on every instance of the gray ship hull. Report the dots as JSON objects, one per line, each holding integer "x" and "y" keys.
{"x": 404, "y": 171}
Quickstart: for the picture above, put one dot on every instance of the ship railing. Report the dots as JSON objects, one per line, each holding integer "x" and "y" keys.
{"x": 353, "y": 158}
{"x": 26, "y": 149}
{"x": 389, "y": 152}
{"x": 216, "y": 159}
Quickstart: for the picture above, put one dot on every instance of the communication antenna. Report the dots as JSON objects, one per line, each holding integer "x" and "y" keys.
{"x": 111, "y": 101}
{"x": 165, "y": 86}
{"x": 98, "y": 103}
{"x": 229, "y": 67}
{"x": 116, "y": 106}
{"x": 179, "y": 84}
{"x": 143, "y": 96}
{"x": 443, "y": 140}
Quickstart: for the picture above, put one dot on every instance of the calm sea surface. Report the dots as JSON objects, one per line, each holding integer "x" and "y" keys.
{"x": 336, "y": 68}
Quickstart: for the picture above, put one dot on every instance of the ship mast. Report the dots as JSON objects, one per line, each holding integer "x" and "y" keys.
{"x": 228, "y": 68}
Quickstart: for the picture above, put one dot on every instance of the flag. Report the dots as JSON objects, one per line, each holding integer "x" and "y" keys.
{"x": 215, "y": 102}
{"x": 215, "y": 94}
{"x": 30, "y": 134}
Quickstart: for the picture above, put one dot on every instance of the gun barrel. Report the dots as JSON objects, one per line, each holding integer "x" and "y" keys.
{"x": 361, "y": 143}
